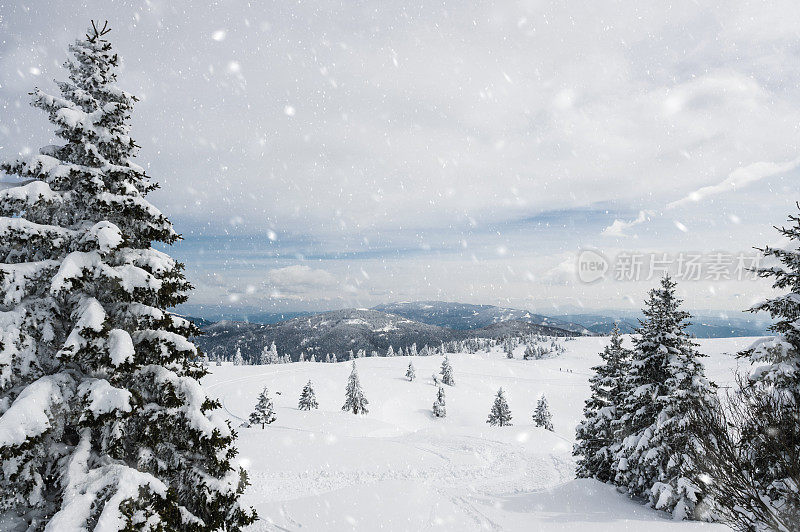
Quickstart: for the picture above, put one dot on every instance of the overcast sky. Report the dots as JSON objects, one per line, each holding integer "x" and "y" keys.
{"x": 321, "y": 155}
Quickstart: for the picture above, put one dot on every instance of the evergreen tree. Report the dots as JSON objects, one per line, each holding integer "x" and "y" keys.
{"x": 413, "y": 350}
{"x": 542, "y": 416}
{"x": 597, "y": 444}
{"x": 308, "y": 398}
{"x": 530, "y": 352}
{"x": 509, "y": 350}
{"x": 390, "y": 352}
{"x": 102, "y": 412}
{"x": 439, "y": 409}
{"x": 270, "y": 355}
{"x": 355, "y": 401}
{"x": 500, "y": 415}
{"x": 410, "y": 373}
{"x": 664, "y": 383}
{"x": 447, "y": 372}
{"x": 777, "y": 377}
{"x": 237, "y": 358}
{"x": 264, "y": 411}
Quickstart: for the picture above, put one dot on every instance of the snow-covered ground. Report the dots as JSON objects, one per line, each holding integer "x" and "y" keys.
{"x": 399, "y": 468}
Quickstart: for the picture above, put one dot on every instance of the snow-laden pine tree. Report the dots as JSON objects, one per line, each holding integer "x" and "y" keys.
{"x": 264, "y": 411}
{"x": 665, "y": 382}
{"x": 596, "y": 442}
{"x": 103, "y": 423}
{"x": 238, "y": 360}
{"x": 439, "y": 409}
{"x": 500, "y": 415}
{"x": 542, "y": 416}
{"x": 410, "y": 373}
{"x": 308, "y": 399}
{"x": 447, "y": 372}
{"x": 390, "y": 352}
{"x": 269, "y": 355}
{"x": 777, "y": 376}
{"x": 354, "y": 401}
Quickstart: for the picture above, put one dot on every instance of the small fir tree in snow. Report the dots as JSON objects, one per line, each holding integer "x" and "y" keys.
{"x": 447, "y": 372}
{"x": 439, "y": 409}
{"x": 308, "y": 398}
{"x": 269, "y": 355}
{"x": 596, "y": 442}
{"x": 103, "y": 417}
{"x": 664, "y": 384}
{"x": 237, "y": 358}
{"x": 530, "y": 352}
{"x": 500, "y": 415}
{"x": 355, "y": 401}
{"x": 509, "y": 350}
{"x": 410, "y": 373}
{"x": 390, "y": 352}
{"x": 264, "y": 411}
{"x": 413, "y": 350}
{"x": 541, "y": 416}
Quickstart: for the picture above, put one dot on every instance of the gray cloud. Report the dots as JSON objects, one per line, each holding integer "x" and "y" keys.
{"x": 319, "y": 128}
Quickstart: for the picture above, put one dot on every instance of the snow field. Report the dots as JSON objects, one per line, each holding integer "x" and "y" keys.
{"x": 399, "y": 468}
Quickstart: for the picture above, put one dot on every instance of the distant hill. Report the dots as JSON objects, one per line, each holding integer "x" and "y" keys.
{"x": 701, "y": 326}
{"x": 341, "y": 331}
{"x": 462, "y": 316}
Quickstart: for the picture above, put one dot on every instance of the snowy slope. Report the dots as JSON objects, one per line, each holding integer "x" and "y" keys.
{"x": 400, "y": 469}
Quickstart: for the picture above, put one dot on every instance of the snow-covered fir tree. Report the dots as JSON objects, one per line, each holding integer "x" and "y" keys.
{"x": 410, "y": 373}
{"x": 500, "y": 415}
{"x": 390, "y": 352}
{"x": 439, "y": 409}
{"x": 269, "y": 355}
{"x": 542, "y": 416}
{"x": 328, "y": 358}
{"x": 530, "y": 352}
{"x": 664, "y": 382}
{"x": 264, "y": 411}
{"x": 412, "y": 351}
{"x": 447, "y": 372}
{"x": 102, "y": 411}
{"x": 238, "y": 360}
{"x": 308, "y": 398}
{"x": 777, "y": 376}
{"x": 596, "y": 442}
{"x": 354, "y": 401}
